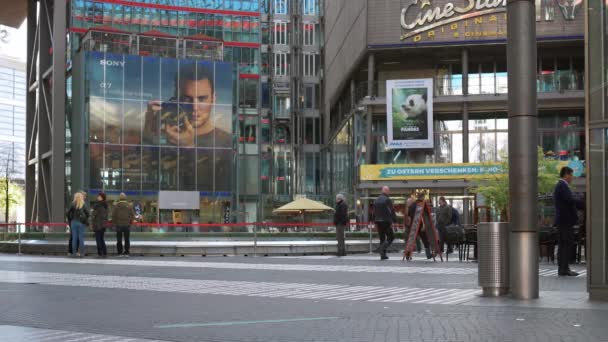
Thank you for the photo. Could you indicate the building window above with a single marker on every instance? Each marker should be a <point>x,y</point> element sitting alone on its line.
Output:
<point>448,141</point>
<point>310,67</point>
<point>309,30</point>
<point>280,7</point>
<point>280,64</point>
<point>488,139</point>
<point>312,134</point>
<point>311,96</point>
<point>282,106</point>
<point>248,89</point>
<point>310,7</point>
<point>280,33</point>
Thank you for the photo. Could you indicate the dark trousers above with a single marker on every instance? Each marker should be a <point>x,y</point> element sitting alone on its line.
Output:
<point>340,228</point>
<point>443,232</point>
<point>120,232</point>
<point>70,250</point>
<point>101,243</point>
<point>386,234</point>
<point>564,253</point>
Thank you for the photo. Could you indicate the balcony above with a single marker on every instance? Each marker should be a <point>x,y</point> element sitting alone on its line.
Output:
<point>496,84</point>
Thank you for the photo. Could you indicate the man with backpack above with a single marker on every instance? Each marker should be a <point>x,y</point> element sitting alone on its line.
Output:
<point>122,217</point>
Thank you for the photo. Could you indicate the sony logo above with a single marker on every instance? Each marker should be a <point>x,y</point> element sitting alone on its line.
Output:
<point>107,62</point>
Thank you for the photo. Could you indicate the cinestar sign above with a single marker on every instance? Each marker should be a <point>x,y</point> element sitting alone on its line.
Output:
<point>420,15</point>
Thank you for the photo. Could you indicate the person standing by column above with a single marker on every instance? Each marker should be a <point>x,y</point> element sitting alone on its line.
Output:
<point>341,220</point>
<point>99,216</point>
<point>384,217</point>
<point>122,217</point>
<point>444,217</point>
<point>565,219</point>
<point>78,218</point>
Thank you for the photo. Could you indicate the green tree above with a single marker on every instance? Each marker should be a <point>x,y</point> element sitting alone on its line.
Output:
<point>495,188</point>
<point>11,193</point>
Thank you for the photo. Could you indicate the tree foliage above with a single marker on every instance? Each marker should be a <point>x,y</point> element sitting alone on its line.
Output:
<point>495,189</point>
<point>11,194</point>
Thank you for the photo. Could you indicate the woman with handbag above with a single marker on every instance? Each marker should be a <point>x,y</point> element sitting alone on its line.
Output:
<point>99,217</point>
<point>78,218</point>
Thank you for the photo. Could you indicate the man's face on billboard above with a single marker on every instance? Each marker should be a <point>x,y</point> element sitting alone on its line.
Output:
<point>200,94</point>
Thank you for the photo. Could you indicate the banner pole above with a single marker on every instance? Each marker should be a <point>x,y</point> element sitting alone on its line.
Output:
<point>370,226</point>
<point>19,238</point>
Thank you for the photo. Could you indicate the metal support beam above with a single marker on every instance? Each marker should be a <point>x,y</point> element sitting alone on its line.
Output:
<point>523,163</point>
<point>465,106</point>
<point>30,110</point>
<point>43,123</point>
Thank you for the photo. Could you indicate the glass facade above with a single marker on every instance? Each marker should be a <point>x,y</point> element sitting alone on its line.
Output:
<point>12,117</point>
<point>237,23</point>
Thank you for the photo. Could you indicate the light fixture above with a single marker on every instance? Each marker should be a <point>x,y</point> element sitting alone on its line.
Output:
<point>391,63</point>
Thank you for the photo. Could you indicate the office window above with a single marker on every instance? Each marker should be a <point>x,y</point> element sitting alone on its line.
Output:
<point>309,30</point>
<point>282,106</point>
<point>280,64</point>
<point>310,7</point>
<point>310,65</point>
<point>248,93</point>
<point>280,7</point>
<point>280,33</point>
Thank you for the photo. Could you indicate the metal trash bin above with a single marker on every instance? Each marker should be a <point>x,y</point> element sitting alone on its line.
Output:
<point>493,258</point>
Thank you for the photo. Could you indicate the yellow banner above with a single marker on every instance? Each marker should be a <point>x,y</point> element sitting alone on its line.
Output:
<point>429,171</point>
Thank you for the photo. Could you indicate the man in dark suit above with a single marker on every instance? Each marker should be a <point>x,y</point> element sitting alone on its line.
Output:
<point>341,221</point>
<point>565,218</point>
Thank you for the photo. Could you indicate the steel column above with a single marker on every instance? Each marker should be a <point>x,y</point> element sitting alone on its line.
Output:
<point>523,169</point>
<point>44,112</point>
<point>465,106</point>
<point>57,185</point>
<point>30,140</point>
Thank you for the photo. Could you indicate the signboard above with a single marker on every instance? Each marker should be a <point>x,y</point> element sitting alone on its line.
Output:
<point>426,21</point>
<point>173,116</point>
<point>179,200</point>
<point>409,110</point>
<point>429,171</point>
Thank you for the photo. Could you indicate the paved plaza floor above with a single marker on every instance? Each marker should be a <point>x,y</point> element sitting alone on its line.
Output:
<point>306,298</point>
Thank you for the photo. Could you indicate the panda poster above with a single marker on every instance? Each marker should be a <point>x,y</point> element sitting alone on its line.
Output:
<point>409,110</point>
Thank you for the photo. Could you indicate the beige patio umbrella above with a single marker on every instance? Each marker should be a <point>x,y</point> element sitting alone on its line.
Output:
<point>302,207</point>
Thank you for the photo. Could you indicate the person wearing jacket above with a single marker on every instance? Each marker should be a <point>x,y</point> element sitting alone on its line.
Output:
<point>99,216</point>
<point>444,218</point>
<point>340,221</point>
<point>385,215</point>
<point>565,219</point>
<point>122,217</point>
<point>78,219</point>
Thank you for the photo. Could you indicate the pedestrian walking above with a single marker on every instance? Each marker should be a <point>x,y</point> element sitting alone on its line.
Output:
<point>340,221</point>
<point>385,215</point>
<point>444,218</point>
<point>565,218</point>
<point>99,216</point>
<point>78,219</point>
<point>122,217</point>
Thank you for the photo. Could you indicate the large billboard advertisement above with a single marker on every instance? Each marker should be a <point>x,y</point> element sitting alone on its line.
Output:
<point>409,110</point>
<point>159,123</point>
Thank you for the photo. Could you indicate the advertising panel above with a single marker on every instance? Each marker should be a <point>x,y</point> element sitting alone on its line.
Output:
<point>159,123</point>
<point>430,171</point>
<point>409,110</point>
<point>426,22</point>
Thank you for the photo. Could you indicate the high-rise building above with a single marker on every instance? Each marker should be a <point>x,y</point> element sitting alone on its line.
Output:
<point>237,152</point>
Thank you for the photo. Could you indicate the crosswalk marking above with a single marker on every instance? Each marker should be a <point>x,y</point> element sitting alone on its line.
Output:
<point>406,268</point>
<point>243,288</point>
<point>26,334</point>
